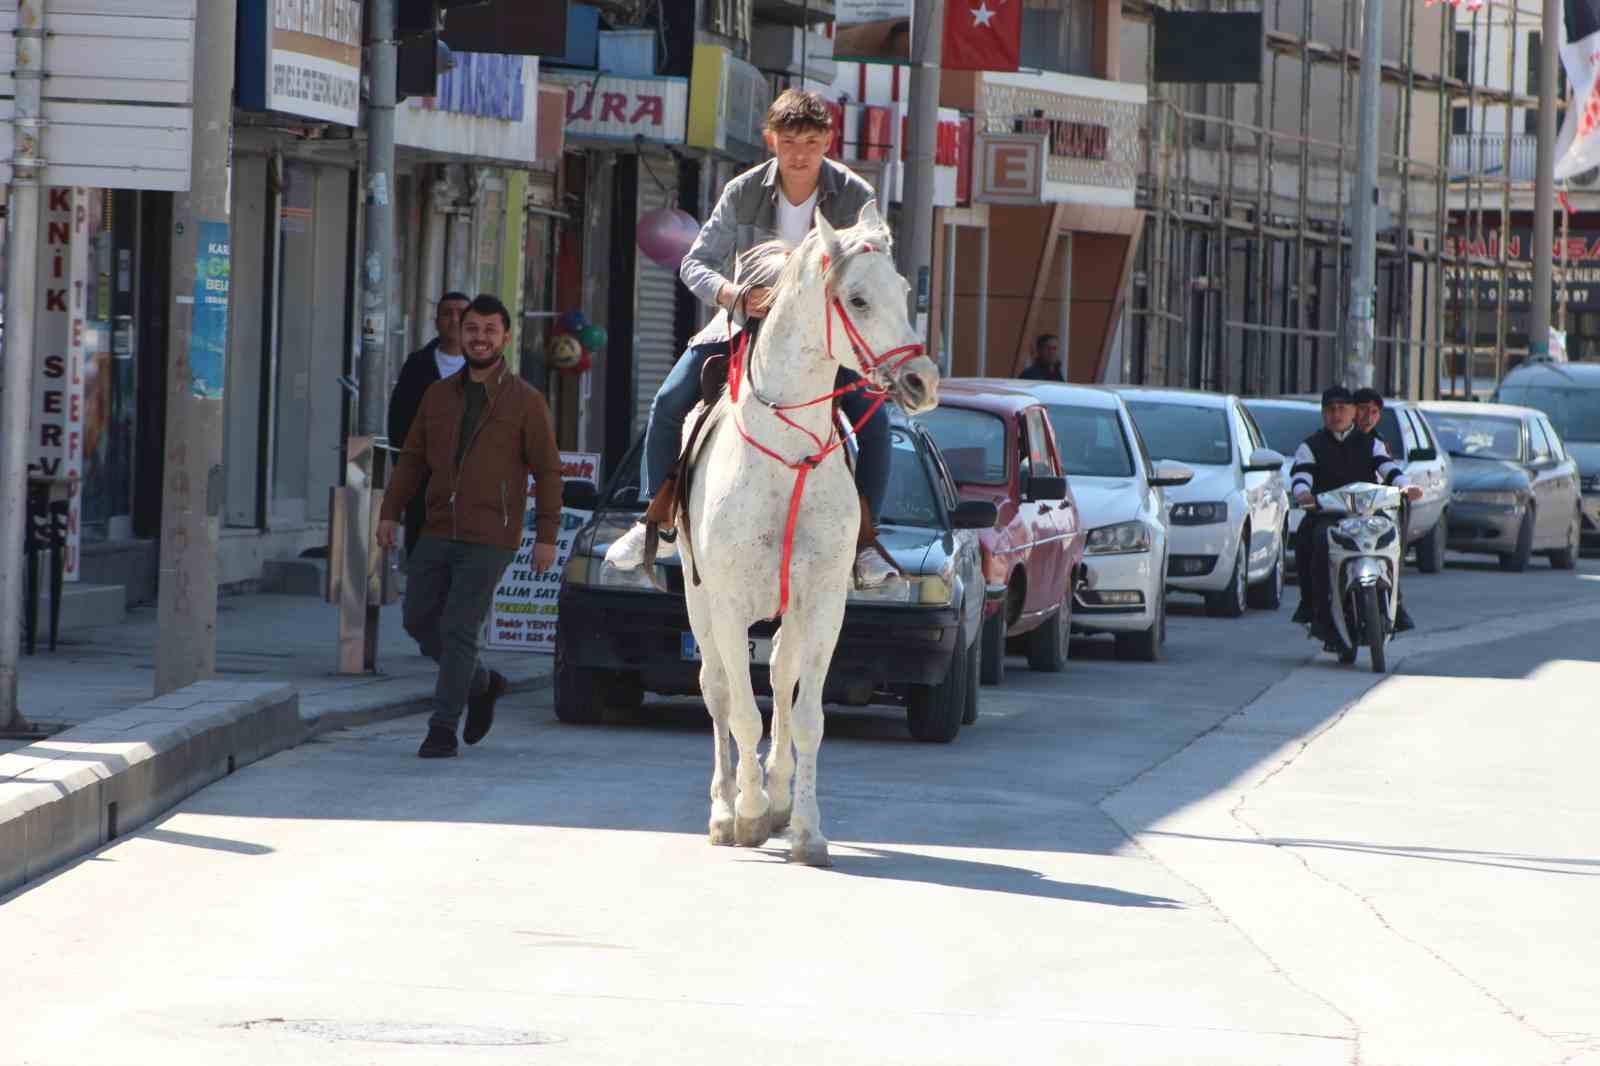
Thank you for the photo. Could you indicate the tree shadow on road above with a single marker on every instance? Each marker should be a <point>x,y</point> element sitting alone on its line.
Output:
<point>1505,860</point>
<point>856,860</point>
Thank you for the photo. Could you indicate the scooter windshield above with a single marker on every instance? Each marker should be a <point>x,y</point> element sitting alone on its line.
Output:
<point>1360,498</point>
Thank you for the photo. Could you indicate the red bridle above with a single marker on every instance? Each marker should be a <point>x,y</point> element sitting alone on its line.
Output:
<point>870,363</point>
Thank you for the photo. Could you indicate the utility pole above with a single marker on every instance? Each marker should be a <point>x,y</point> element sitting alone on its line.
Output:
<point>1364,265</point>
<point>186,647</point>
<point>16,386</point>
<point>916,243</point>
<point>379,253</point>
<point>1544,192</point>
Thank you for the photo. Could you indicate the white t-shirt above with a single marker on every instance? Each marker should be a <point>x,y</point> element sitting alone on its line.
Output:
<point>448,364</point>
<point>794,220</point>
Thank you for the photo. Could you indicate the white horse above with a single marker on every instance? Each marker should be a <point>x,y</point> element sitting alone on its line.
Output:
<point>739,508</point>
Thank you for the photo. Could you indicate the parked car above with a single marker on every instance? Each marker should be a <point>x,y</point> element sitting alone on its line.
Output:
<point>1569,396</point>
<point>913,642</point>
<point>1000,448</point>
<point>1229,524</point>
<point>1119,492</point>
<point>1516,492</point>
<point>1288,421</point>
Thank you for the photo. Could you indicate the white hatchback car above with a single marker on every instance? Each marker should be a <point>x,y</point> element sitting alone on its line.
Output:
<point>1119,494</point>
<point>1228,523</point>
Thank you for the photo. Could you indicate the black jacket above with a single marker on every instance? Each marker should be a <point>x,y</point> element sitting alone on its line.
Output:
<point>419,371</point>
<point>1324,462</point>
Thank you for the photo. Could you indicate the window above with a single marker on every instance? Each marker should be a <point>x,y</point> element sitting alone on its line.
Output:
<point>1043,460</point>
<point>1461,56</point>
<point>1091,442</point>
<point>1185,433</point>
<point>973,444</point>
<point>1389,431</point>
<point>1287,427</point>
<point>1541,443</point>
<point>1058,35</point>
<point>1530,117</point>
<point>1479,436</point>
<point>1419,426</point>
<point>1460,120</point>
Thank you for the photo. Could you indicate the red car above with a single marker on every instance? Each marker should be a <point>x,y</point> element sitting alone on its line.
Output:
<point>999,447</point>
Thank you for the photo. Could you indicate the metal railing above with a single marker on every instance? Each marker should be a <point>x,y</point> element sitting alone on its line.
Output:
<point>1485,154</point>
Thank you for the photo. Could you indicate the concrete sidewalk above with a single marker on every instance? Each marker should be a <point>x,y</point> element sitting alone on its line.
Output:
<point>261,637</point>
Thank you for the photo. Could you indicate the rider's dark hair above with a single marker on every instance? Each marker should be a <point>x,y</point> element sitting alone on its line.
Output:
<point>799,111</point>
<point>487,304</point>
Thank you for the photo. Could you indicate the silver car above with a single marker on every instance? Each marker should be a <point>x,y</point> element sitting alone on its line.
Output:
<point>1569,396</point>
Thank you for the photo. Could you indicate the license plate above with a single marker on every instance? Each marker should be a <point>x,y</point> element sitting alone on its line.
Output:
<point>760,649</point>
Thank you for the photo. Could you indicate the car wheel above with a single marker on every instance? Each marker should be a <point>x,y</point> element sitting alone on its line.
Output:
<point>1567,558</point>
<point>1430,551</point>
<point>579,692</point>
<point>1230,602</point>
<point>969,714</point>
<point>1048,645</point>
<point>1145,646</point>
<point>1268,596</point>
<point>993,656</point>
<point>934,712</point>
<point>1517,561</point>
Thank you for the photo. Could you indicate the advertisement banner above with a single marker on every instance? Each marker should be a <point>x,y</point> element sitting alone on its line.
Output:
<point>208,331</point>
<point>523,614</point>
<point>56,448</point>
<point>301,57</point>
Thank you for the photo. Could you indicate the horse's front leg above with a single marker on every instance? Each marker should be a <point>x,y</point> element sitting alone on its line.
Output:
<point>752,821</point>
<point>806,842</point>
<point>714,688</point>
<point>784,669</point>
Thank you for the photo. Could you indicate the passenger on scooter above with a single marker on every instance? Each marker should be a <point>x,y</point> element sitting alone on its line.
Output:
<point>1369,410</point>
<point>1335,456</point>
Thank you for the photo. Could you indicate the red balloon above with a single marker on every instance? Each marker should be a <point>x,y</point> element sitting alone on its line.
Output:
<point>666,234</point>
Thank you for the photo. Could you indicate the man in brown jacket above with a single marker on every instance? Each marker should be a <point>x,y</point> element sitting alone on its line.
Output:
<point>475,439</point>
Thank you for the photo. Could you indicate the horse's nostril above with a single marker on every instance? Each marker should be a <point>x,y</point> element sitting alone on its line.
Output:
<point>915,387</point>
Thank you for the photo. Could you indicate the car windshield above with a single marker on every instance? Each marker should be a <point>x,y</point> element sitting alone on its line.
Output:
<point>1090,442</point>
<point>1285,428</point>
<point>1574,412</point>
<point>1184,433</point>
<point>910,500</point>
<point>973,443</point>
<point>1478,436</point>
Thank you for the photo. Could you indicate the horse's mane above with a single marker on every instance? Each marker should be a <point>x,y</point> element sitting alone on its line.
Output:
<point>774,265</point>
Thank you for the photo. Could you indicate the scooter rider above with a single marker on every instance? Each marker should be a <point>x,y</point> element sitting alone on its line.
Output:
<point>1369,409</point>
<point>1335,456</point>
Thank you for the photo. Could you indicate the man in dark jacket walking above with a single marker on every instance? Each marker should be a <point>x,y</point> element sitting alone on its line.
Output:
<point>434,361</point>
<point>476,438</point>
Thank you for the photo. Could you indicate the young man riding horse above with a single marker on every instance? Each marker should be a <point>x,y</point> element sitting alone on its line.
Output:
<point>774,199</point>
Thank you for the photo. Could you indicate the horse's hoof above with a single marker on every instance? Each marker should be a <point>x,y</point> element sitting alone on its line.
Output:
<point>722,832</point>
<point>810,850</point>
<point>752,832</point>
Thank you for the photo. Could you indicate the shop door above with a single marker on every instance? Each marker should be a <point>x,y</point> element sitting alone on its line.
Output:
<point>656,289</point>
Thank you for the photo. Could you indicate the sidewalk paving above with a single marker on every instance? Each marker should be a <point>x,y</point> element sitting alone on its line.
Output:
<point>261,637</point>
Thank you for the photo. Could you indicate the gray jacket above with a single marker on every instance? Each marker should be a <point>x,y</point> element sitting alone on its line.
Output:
<point>747,214</point>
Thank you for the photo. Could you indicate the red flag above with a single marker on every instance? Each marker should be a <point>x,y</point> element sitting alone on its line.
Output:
<point>982,34</point>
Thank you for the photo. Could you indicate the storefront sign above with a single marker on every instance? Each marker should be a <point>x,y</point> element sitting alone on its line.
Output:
<point>301,57</point>
<point>56,446</point>
<point>208,330</point>
<point>489,86</point>
<point>1088,129</point>
<point>728,101</point>
<point>612,108</point>
<point>1577,286</point>
<point>1009,168</point>
<point>849,12</point>
<point>522,616</point>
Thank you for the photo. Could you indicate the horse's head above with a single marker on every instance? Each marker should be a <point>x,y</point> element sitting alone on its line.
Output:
<point>873,336</point>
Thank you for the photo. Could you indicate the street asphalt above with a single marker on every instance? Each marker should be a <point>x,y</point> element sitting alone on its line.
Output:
<point>1244,854</point>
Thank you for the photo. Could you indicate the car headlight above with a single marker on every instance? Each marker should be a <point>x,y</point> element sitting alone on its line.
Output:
<point>1199,514</point>
<point>1124,538</point>
<point>591,571</point>
<point>1498,498</point>
<point>925,590</point>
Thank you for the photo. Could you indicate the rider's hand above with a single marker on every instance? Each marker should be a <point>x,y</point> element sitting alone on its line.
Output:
<point>755,304</point>
<point>1304,498</point>
<point>544,556</point>
<point>1413,493</point>
<point>388,534</point>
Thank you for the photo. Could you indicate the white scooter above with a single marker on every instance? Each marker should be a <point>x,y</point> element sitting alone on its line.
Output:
<point>1363,566</point>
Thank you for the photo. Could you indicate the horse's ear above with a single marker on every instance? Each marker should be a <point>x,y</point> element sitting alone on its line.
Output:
<point>869,216</point>
<point>830,236</point>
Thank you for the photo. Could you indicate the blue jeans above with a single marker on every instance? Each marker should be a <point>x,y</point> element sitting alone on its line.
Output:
<point>663,437</point>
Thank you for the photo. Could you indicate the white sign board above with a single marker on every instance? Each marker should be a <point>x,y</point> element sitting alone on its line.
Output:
<point>118,93</point>
<point>613,108</point>
<point>522,616</point>
<point>851,12</point>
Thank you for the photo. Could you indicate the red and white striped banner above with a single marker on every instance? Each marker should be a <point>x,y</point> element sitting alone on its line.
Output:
<point>1470,5</point>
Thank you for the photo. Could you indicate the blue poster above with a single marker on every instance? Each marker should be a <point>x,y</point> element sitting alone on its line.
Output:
<point>208,333</point>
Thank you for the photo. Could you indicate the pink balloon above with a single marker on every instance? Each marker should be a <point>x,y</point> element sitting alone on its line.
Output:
<point>665,235</point>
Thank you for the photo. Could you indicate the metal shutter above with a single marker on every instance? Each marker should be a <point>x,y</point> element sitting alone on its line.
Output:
<point>656,309</point>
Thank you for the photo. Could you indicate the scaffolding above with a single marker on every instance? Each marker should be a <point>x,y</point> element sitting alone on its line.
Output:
<point>1244,265</point>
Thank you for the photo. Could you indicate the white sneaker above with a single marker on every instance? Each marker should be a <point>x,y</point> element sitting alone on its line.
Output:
<point>628,551</point>
<point>872,571</point>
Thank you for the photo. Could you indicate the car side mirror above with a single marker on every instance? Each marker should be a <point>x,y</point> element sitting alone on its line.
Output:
<point>1046,487</point>
<point>1170,475</point>
<point>975,514</point>
<point>1264,460</point>
<point>580,495</point>
<point>1422,455</point>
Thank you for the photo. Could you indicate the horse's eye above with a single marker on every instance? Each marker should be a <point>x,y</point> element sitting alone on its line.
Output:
<point>858,303</point>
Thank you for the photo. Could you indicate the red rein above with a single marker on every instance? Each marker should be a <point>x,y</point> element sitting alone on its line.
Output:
<point>869,362</point>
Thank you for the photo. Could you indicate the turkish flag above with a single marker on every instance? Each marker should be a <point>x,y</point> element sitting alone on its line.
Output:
<point>982,34</point>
